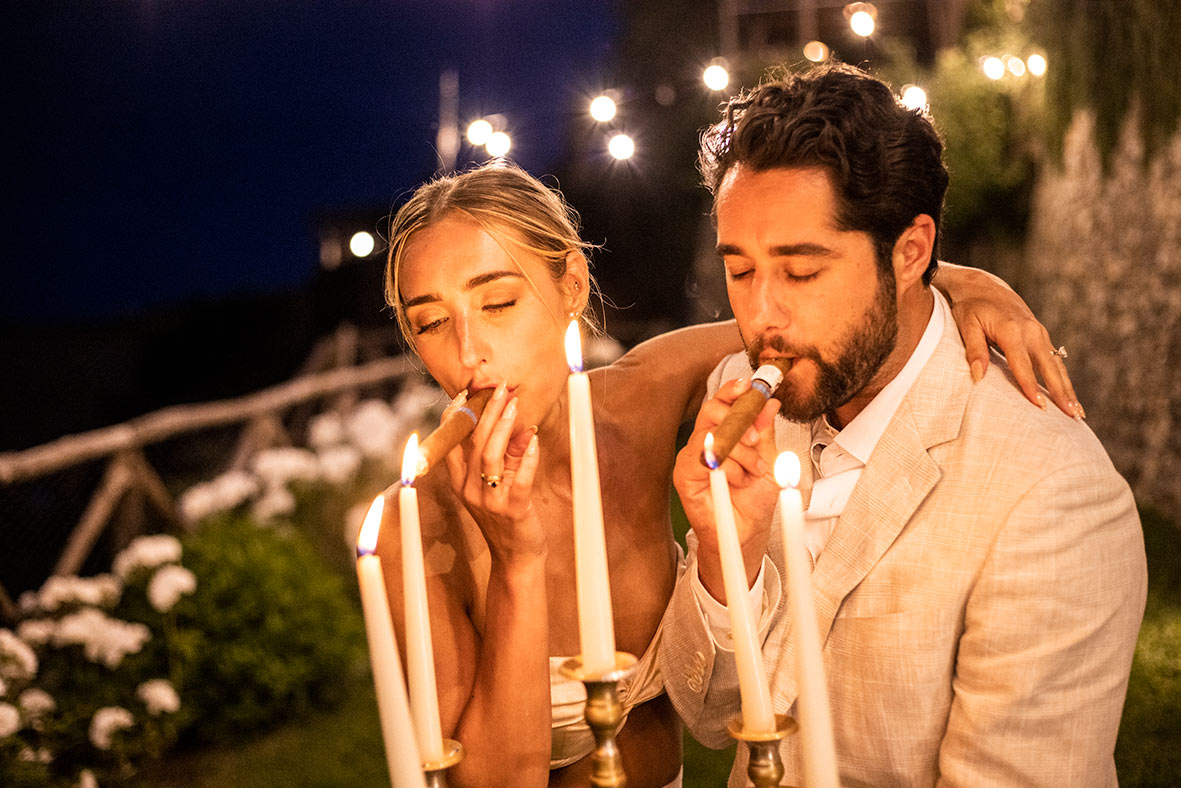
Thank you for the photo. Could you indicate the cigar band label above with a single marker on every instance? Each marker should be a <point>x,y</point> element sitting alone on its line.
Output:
<point>471,414</point>
<point>767,378</point>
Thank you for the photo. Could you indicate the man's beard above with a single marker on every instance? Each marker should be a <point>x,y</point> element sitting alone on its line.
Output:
<point>861,353</point>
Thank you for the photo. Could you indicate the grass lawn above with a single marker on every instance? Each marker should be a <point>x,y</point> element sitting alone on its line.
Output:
<point>342,746</point>
<point>326,749</point>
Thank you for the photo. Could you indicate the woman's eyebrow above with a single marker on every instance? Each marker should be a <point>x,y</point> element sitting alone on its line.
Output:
<point>472,284</point>
<point>491,276</point>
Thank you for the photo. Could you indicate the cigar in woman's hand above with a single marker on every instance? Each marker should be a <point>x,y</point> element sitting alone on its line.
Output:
<point>457,426</point>
<point>746,409</point>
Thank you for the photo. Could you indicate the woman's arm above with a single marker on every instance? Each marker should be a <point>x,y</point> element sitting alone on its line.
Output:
<point>986,310</point>
<point>676,364</point>
<point>493,687</point>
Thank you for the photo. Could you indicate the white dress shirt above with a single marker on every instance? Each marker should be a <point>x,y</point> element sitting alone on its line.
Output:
<point>838,458</point>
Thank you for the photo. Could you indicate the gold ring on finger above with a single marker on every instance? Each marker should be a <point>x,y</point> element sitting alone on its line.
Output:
<point>1060,352</point>
<point>490,479</point>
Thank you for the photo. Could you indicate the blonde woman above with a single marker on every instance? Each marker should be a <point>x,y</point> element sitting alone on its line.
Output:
<point>486,269</point>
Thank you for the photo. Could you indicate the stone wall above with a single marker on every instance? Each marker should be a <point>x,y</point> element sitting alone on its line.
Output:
<point>1103,271</point>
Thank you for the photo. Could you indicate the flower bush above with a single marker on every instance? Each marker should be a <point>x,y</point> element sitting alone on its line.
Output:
<point>250,619</point>
<point>81,694</point>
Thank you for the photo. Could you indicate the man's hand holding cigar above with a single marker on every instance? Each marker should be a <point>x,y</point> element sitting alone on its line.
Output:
<point>748,469</point>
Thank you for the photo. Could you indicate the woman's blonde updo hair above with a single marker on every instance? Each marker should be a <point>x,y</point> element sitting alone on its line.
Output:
<point>497,196</point>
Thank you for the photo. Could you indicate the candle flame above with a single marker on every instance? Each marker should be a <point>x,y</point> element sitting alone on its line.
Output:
<point>787,470</point>
<point>711,459</point>
<point>367,538</point>
<point>411,460</point>
<point>574,347</point>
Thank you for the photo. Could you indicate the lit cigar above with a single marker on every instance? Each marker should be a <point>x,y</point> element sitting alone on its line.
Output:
<point>746,408</point>
<point>452,431</point>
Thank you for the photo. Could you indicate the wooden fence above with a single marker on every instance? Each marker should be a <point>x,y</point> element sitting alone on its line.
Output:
<point>332,372</point>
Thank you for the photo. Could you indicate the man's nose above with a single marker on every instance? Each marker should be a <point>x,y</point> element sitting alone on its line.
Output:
<point>770,303</point>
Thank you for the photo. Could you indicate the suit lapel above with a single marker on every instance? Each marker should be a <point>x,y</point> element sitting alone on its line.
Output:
<point>899,476</point>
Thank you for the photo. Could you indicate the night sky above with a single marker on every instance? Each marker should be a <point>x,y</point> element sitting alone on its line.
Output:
<point>162,151</point>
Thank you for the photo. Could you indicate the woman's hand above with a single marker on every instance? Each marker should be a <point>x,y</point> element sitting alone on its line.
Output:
<point>988,311</point>
<point>492,472</point>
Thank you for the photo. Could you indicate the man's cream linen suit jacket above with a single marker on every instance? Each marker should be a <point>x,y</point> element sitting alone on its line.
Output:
<point>978,601</point>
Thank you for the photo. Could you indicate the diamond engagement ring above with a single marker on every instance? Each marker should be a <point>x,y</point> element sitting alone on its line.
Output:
<point>1060,352</point>
<point>491,480</point>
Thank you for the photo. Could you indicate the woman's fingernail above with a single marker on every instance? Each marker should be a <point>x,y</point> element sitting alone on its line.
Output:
<point>534,428</point>
<point>501,388</point>
<point>459,399</point>
<point>751,437</point>
<point>532,447</point>
<point>1041,400</point>
<point>1076,408</point>
<point>510,410</point>
<point>977,371</point>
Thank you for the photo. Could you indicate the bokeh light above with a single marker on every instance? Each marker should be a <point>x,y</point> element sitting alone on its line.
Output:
<point>478,132</point>
<point>1037,65</point>
<point>862,23</point>
<point>914,97</point>
<point>621,147</point>
<point>716,77</point>
<point>498,144</point>
<point>362,244</point>
<point>816,51</point>
<point>1015,65</point>
<point>602,109</point>
<point>993,67</point>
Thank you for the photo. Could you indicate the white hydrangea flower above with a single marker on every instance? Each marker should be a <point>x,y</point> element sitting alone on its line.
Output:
<point>36,702</point>
<point>374,429</point>
<point>17,659</point>
<point>223,492</point>
<point>277,467</point>
<point>339,464</point>
<point>159,696</point>
<point>86,779</point>
<point>101,591</point>
<point>43,755</point>
<point>326,429</point>
<point>147,552</point>
<point>103,639</point>
<point>10,720</point>
<point>168,585</point>
<point>26,603</point>
<point>106,722</point>
<point>277,502</point>
<point>419,399</point>
<point>197,502</point>
<point>36,631</point>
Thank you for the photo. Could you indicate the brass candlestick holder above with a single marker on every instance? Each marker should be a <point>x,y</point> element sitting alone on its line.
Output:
<point>765,767</point>
<point>603,714</point>
<point>435,772</point>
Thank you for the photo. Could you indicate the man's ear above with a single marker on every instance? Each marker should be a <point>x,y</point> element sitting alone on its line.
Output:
<point>576,282</point>
<point>912,251</point>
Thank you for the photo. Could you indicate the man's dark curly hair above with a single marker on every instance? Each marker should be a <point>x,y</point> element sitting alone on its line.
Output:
<point>885,160</point>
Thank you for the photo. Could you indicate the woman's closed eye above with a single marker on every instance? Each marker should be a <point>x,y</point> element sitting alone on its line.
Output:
<point>430,326</point>
<point>500,305</point>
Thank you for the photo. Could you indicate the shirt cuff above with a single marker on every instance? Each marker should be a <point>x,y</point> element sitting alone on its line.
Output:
<point>717,616</point>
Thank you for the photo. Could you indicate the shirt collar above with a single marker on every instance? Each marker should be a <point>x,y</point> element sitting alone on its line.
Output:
<point>861,435</point>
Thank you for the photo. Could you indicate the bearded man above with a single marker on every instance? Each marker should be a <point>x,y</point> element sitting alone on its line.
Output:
<point>978,563</point>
